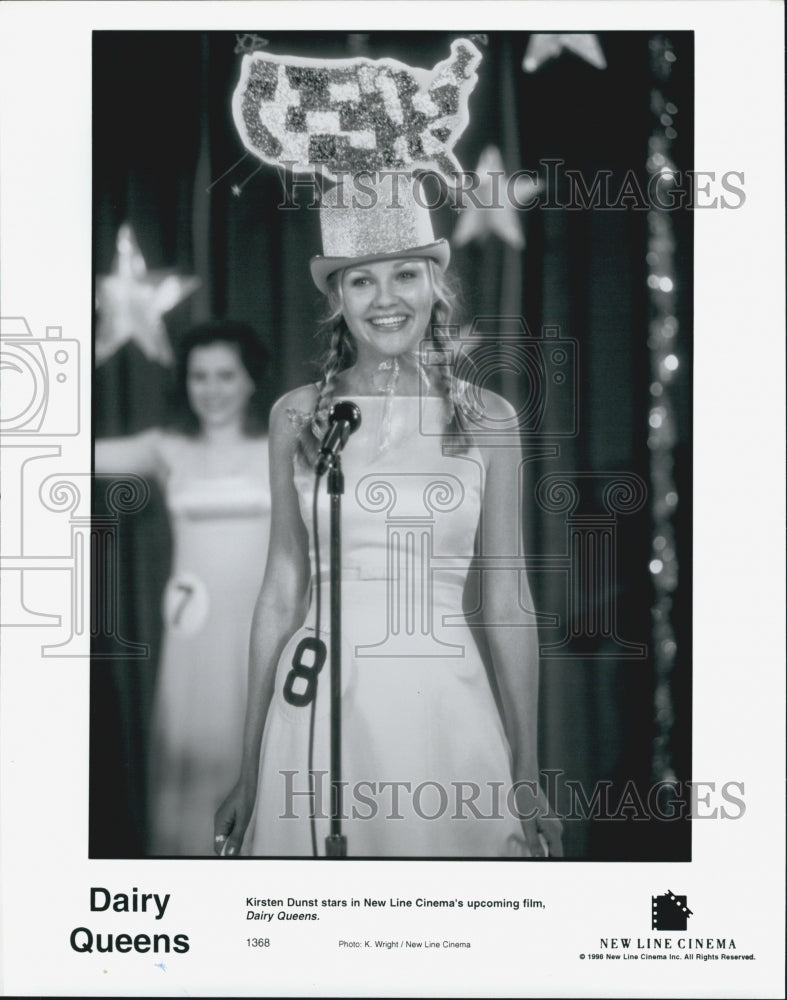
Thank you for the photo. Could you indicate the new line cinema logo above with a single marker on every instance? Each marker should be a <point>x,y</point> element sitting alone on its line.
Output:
<point>668,912</point>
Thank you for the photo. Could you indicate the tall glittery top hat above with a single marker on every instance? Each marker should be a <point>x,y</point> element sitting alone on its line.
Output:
<point>373,217</point>
<point>343,118</point>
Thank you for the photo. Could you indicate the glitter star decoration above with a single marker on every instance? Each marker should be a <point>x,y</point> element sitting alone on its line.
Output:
<point>493,207</point>
<point>132,300</point>
<point>248,41</point>
<point>543,47</point>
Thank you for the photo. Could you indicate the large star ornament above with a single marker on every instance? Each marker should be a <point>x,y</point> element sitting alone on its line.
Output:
<point>499,199</point>
<point>131,302</point>
<point>542,47</point>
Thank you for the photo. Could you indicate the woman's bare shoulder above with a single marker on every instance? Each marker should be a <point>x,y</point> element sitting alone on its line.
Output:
<point>497,425</point>
<point>489,405</point>
<point>303,398</point>
<point>292,411</point>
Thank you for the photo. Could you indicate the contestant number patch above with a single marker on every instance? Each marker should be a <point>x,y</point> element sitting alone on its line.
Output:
<point>185,605</point>
<point>300,685</point>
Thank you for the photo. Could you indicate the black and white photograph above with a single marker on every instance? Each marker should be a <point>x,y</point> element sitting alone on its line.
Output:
<point>387,481</point>
<point>506,351</point>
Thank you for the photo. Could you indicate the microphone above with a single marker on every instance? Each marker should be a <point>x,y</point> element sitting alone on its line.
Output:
<point>344,418</point>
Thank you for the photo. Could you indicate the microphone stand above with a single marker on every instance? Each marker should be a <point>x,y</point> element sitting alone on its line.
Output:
<point>336,842</point>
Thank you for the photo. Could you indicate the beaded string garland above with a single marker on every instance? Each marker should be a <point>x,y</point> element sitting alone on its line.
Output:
<point>663,341</point>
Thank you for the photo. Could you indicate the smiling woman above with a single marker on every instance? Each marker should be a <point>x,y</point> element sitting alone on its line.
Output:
<point>387,305</point>
<point>421,487</point>
<point>213,467</point>
<point>218,385</point>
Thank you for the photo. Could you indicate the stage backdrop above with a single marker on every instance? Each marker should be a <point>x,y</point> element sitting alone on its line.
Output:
<point>578,266</point>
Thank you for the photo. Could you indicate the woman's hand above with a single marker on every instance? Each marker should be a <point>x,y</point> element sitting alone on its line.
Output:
<point>541,826</point>
<point>232,818</point>
<point>511,632</point>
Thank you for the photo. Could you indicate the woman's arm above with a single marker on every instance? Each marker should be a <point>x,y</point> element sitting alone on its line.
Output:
<point>511,632</point>
<point>137,454</point>
<point>280,610</point>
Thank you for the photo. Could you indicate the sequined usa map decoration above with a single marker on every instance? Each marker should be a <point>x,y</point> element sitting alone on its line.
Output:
<point>358,114</point>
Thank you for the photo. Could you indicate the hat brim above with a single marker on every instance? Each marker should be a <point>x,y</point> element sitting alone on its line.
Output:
<point>323,267</point>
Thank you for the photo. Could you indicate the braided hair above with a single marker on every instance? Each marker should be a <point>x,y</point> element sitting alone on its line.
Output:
<point>341,355</point>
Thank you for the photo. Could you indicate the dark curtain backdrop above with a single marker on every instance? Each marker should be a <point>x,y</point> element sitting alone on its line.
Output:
<point>163,132</point>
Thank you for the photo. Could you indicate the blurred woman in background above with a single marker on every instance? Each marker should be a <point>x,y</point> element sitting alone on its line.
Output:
<point>212,465</point>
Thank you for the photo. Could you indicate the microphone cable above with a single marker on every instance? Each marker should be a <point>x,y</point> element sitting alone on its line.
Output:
<point>317,614</point>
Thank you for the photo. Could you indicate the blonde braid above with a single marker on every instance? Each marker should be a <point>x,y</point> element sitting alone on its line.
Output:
<point>457,434</point>
<point>338,357</point>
